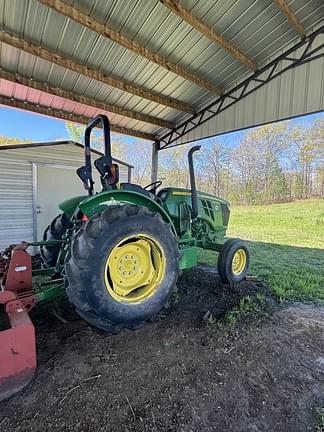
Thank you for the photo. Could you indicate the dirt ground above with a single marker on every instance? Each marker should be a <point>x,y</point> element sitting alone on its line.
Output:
<point>176,373</point>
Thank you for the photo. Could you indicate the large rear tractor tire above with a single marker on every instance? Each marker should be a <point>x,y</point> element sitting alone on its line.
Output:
<point>122,267</point>
<point>233,261</point>
<point>54,231</point>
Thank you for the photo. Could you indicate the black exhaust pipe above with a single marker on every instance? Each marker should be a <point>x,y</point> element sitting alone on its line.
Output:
<point>194,198</point>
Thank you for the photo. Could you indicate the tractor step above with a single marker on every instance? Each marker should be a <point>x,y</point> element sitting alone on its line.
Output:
<point>17,345</point>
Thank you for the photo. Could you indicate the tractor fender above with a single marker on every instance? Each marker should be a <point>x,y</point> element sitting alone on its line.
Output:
<point>68,206</point>
<point>97,203</point>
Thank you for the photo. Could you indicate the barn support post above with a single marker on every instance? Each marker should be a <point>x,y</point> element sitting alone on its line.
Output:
<point>155,161</point>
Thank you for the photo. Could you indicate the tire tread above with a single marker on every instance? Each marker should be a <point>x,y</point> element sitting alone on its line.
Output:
<point>81,248</point>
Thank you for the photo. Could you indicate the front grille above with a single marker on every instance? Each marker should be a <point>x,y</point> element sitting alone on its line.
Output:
<point>208,208</point>
<point>225,213</point>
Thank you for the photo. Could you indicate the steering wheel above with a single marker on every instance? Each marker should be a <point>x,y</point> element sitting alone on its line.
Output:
<point>153,186</point>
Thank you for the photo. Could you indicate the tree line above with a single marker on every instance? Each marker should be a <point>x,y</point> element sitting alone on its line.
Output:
<point>271,163</point>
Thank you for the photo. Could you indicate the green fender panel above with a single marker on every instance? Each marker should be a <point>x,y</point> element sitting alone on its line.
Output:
<point>68,206</point>
<point>102,200</point>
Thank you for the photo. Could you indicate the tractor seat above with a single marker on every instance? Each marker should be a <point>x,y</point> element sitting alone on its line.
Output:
<point>136,188</point>
<point>162,194</point>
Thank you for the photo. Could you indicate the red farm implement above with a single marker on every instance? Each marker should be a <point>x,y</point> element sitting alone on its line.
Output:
<point>17,333</point>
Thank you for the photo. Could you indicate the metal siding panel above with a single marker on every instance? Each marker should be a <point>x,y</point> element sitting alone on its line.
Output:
<point>315,94</point>
<point>270,104</point>
<point>123,174</point>
<point>229,118</point>
<point>16,222</point>
<point>16,200</point>
<point>286,93</point>
<point>247,111</point>
<point>286,96</point>
<point>299,84</point>
<point>238,116</point>
<point>260,102</point>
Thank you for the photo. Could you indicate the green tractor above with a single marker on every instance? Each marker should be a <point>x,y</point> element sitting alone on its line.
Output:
<point>121,250</point>
<point>117,254</point>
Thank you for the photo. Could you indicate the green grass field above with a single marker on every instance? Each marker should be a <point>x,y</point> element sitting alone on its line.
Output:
<point>287,246</point>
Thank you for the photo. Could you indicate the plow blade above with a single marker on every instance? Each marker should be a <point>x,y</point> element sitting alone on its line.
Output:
<point>17,346</point>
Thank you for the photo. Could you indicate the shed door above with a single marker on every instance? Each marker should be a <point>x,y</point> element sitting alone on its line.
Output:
<point>54,185</point>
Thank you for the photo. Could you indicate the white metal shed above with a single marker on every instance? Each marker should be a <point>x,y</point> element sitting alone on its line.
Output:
<point>34,178</point>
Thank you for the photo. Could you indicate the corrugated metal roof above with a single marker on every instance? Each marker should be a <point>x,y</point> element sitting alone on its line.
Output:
<point>295,92</point>
<point>255,27</point>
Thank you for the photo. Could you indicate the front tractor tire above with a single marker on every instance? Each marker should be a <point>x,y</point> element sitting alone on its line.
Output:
<point>233,261</point>
<point>54,231</point>
<point>122,267</point>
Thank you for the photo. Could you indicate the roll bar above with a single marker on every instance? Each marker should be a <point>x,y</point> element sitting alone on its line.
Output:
<point>103,164</point>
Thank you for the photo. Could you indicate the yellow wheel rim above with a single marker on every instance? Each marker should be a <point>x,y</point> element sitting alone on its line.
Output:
<point>239,262</point>
<point>134,268</point>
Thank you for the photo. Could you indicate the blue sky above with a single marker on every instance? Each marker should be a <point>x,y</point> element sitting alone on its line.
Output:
<point>24,125</point>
